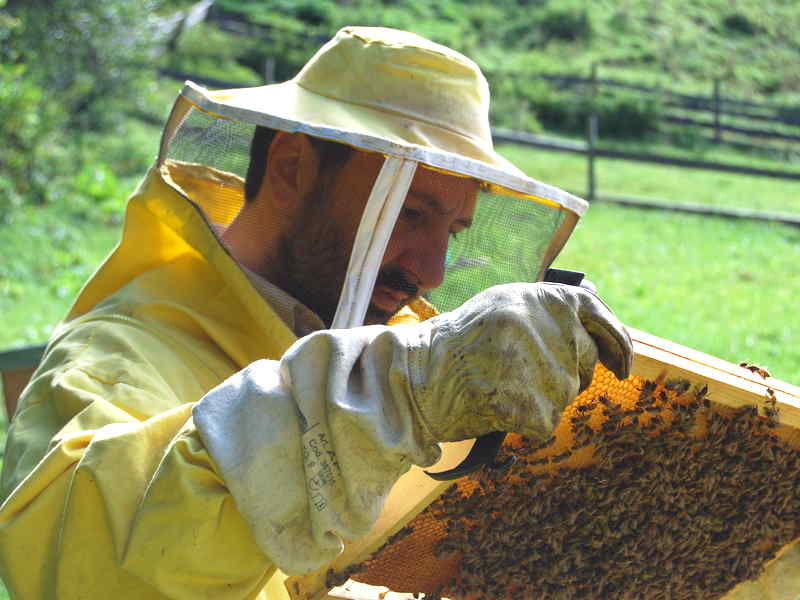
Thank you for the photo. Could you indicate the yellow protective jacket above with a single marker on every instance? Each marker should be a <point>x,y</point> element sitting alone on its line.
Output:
<point>108,491</point>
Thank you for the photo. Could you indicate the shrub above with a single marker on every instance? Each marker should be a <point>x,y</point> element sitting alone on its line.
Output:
<point>565,22</point>
<point>620,114</point>
<point>741,24</point>
<point>205,50</point>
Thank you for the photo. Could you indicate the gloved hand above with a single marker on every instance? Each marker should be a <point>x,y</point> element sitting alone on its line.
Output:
<point>344,413</point>
<point>510,359</point>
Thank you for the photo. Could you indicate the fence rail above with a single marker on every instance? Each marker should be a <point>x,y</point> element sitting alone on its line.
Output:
<point>592,151</point>
<point>765,133</point>
<point>20,358</point>
<point>518,137</point>
<point>723,105</point>
<point>16,368</point>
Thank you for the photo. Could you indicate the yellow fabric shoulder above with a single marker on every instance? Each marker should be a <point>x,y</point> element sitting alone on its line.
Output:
<point>167,317</point>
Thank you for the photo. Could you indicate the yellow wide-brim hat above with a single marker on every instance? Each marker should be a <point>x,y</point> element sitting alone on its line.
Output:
<point>393,92</point>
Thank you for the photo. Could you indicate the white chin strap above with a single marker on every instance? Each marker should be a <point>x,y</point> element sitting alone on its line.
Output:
<point>377,223</point>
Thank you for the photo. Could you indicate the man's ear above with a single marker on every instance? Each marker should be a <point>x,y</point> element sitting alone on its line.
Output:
<point>292,171</point>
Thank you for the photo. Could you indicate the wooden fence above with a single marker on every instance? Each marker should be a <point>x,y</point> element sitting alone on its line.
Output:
<point>716,105</point>
<point>592,151</point>
<point>715,102</point>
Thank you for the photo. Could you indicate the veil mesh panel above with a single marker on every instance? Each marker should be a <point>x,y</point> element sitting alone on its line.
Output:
<point>222,144</point>
<point>505,244</point>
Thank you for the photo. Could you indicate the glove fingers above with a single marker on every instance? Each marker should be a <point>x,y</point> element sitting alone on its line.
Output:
<point>614,345</point>
<point>587,359</point>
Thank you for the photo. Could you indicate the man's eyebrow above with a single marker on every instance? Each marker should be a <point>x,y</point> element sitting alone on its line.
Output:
<point>433,203</point>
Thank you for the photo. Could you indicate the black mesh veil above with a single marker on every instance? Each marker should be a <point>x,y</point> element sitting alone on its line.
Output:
<point>506,243</point>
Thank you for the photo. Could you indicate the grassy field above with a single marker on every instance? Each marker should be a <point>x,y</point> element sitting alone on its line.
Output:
<point>725,287</point>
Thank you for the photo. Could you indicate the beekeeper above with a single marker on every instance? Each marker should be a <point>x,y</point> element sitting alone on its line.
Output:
<point>213,414</point>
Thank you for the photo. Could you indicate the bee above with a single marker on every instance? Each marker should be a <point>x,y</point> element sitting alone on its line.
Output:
<point>648,389</point>
<point>761,371</point>
<point>587,407</point>
<point>771,407</point>
<point>679,386</point>
<point>562,456</point>
<point>580,419</point>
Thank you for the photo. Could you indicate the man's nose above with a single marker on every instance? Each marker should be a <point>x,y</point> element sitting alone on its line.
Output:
<point>424,261</point>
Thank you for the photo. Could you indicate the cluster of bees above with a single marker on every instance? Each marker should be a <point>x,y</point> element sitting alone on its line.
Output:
<point>662,495</point>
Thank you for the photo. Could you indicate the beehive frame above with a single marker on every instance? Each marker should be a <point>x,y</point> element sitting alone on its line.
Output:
<point>728,383</point>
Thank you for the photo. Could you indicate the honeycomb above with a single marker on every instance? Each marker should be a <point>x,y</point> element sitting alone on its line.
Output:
<point>647,489</point>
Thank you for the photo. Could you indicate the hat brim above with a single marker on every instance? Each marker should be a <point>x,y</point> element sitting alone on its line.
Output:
<point>290,107</point>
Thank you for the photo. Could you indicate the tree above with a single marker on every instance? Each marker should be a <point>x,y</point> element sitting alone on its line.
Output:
<point>68,67</point>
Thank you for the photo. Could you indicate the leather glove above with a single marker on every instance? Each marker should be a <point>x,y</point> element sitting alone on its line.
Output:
<point>511,359</point>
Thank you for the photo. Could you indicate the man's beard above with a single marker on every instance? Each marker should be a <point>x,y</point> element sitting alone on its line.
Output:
<point>314,257</point>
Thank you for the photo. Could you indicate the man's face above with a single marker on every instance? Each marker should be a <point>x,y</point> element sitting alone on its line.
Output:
<point>317,249</point>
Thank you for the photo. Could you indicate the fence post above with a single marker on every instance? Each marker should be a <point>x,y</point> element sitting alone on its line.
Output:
<point>717,102</point>
<point>591,139</point>
<point>269,70</point>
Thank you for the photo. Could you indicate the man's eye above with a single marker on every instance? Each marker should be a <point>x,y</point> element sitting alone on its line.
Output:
<point>411,213</point>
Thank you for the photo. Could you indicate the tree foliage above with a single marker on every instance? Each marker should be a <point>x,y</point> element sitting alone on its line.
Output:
<point>68,68</point>
<point>91,56</point>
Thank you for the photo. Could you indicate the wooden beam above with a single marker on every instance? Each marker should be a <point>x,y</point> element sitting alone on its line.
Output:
<point>14,381</point>
<point>729,384</point>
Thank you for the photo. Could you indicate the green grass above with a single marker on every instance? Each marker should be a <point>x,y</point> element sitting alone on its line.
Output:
<point>728,288</point>
<point>50,258</point>
<point>672,185</point>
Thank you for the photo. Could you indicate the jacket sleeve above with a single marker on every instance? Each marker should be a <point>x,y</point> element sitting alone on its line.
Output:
<point>117,486</point>
<point>108,490</point>
<point>311,445</point>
